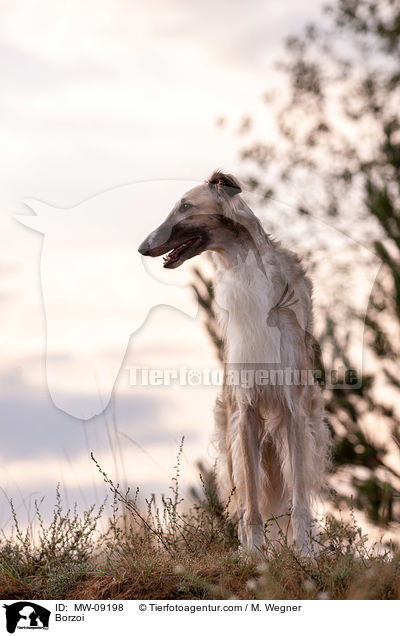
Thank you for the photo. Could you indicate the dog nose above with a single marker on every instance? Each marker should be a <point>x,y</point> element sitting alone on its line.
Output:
<point>144,247</point>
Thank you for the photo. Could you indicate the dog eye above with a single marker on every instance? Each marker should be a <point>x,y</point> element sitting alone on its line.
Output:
<point>185,206</point>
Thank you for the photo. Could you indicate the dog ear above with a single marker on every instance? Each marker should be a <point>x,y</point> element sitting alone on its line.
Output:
<point>225,182</point>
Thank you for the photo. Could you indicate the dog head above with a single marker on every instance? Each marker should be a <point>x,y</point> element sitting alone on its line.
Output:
<point>203,219</point>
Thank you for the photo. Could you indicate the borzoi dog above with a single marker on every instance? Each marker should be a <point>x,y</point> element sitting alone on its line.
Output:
<point>273,442</point>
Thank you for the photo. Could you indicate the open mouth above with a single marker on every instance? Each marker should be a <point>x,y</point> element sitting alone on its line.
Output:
<point>174,257</point>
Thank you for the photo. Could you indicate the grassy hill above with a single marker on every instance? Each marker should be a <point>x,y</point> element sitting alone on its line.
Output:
<point>168,551</point>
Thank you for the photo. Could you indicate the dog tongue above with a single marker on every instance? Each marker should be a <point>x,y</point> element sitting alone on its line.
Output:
<point>168,258</point>
<point>171,256</point>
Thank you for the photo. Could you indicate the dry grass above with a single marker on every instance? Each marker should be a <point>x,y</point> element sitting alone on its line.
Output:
<point>168,552</point>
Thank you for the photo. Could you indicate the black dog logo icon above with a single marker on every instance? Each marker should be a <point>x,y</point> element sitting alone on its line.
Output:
<point>26,614</point>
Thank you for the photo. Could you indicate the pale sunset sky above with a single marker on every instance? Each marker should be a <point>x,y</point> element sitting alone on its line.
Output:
<point>97,95</point>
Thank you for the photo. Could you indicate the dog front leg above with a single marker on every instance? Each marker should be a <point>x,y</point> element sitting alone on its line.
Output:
<point>250,450</point>
<point>301,515</point>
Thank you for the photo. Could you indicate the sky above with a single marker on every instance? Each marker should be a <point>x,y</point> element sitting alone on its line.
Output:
<point>97,96</point>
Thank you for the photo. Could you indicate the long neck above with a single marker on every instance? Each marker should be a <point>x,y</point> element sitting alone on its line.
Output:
<point>250,245</point>
<point>245,292</point>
